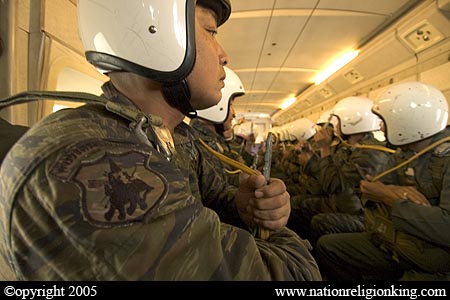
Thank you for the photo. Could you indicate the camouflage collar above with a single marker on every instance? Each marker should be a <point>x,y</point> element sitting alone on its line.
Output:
<point>124,107</point>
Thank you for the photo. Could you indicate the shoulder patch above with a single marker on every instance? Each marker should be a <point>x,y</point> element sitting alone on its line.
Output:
<point>442,150</point>
<point>118,188</point>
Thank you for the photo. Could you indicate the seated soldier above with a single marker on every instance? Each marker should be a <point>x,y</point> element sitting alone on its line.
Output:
<point>305,179</point>
<point>244,139</point>
<point>339,171</point>
<point>211,123</point>
<point>408,207</point>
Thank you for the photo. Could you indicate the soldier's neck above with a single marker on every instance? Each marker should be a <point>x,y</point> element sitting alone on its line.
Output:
<point>147,95</point>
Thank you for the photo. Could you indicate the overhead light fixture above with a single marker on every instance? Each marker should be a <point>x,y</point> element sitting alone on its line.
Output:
<point>336,65</point>
<point>289,101</point>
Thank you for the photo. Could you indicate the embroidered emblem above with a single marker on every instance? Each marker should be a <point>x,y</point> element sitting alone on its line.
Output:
<point>117,191</point>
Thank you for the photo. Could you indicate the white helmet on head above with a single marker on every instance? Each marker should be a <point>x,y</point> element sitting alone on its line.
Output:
<point>301,129</point>
<point>233,88</point>
<point>243,130</point>
<point>260,138</point>
<point>326,117</point>
<point>276,132</point>
<point>411,111</point>
<point>284,135</point>
<point>152,38</point>
<point>355,115</point>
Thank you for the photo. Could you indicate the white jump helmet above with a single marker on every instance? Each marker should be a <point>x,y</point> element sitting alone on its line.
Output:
<point>411,111</point>
<point>152,38</point>
<point>260,138</point>
<point>284,135</point>
<point>276,131</point>
<point>301,129</point>
<point>326,117</point>
<point>233,88</point>
<point>243,130</point>
<point>355,115</point>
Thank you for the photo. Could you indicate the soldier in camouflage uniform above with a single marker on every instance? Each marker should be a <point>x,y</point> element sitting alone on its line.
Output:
<point>407,210</point>
<point>114,191</point>
<point>305,180</point>
<point>278,149</point>
<point>291,167</point>
<point>212,122</point>
<point>339,172</point>
<point>302,131</point>
<point>309,158</point>
<point>244,141</point>
<point>310,177</point>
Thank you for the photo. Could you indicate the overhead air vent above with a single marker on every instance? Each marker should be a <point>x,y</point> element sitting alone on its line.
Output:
<point>422,36</point>
<point>326,92</point>
<point>353,76</point>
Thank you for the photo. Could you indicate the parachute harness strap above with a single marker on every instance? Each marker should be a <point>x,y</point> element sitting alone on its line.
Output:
<point>373,147</point>
<point>229,161</point>
<point>415,156</point>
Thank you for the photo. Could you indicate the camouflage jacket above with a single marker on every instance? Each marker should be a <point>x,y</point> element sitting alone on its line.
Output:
<point>277,156</point>
<point>417,233</point>
<point>213,139</point>
<point>291,167</point>
<point>309,176</point>
<point>219,144</point>
<point>84,197</point>
<point>340,177</point>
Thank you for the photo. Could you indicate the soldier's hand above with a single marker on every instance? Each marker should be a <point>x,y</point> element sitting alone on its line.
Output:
<point>387,194</point>
<point>266,205</point>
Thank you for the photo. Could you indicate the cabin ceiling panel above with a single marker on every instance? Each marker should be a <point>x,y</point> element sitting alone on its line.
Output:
<point>239,5</point>
<point>242,40</point>
<point>384,7</point>
<point>281,45</point>
<point>291,82</point>
<point>256,106</point>
<point>281,36</point>
<point>327,37</point>
<point>289,4</point>
<point>271,98</point>
<point>262,80</point>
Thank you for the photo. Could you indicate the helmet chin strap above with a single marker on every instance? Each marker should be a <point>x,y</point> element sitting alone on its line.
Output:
<point>219,128</point>
<point>178,95</point>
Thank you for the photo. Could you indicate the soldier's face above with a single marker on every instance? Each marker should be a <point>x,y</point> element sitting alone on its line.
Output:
<point>207,77</point>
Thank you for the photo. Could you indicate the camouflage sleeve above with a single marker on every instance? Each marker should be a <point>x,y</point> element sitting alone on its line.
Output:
<point>288,256</point>
<point>312,184</point>
<point>429,223</point>
<point>104,211</point>
<point>363,162</point>
<point>338,174</point>
<point>329,175</point>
